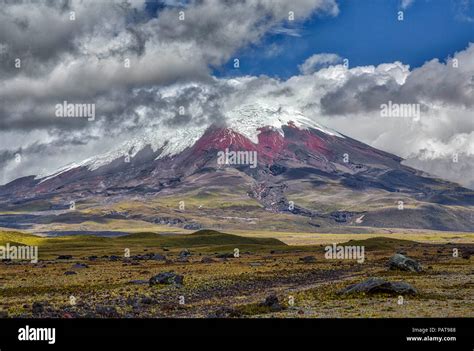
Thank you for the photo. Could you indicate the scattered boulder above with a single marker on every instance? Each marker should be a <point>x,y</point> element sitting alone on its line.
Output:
<point>166,278</point>
<point>149,256</point>
<point>92,258</point>
<point>273,303</point>
<point>114,258</point>
<point>404,263</point>
<point>308,259</point>
<point>69,273</point>
<point>379,285</point>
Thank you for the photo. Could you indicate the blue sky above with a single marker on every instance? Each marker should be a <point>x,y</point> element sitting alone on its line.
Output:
<point>367,33</point>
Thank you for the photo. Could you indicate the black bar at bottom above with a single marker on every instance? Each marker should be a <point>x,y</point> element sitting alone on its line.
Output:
<point>416,334</point>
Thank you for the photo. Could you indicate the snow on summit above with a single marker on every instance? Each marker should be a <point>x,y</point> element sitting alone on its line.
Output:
<point>245,120</point>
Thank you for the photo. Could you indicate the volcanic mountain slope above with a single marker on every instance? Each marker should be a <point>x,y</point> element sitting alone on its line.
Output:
<point>305,176</point>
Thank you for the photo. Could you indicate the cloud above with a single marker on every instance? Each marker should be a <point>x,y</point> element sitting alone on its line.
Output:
<point>84,61</point>
<point>434,83</point>
<point>90,51</point>
<point>406,3</point>
<point>292,32</point>
<point>318,61</point>
<point>464,10</point>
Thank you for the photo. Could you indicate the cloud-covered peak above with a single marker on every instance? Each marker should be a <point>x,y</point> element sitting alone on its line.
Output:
<point>151,70</point>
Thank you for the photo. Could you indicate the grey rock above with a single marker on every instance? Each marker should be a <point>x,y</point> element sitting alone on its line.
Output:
<point>167,278</point>
<point>379,285</point>
<point>404,263</point>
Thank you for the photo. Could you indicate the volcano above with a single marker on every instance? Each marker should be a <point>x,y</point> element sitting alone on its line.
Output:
<point>306,176</point>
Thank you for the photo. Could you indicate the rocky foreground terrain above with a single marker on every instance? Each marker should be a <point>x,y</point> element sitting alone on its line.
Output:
<point>211,274</point>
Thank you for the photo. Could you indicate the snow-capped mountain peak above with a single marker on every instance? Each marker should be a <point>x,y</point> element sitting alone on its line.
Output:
<point>246,120</point>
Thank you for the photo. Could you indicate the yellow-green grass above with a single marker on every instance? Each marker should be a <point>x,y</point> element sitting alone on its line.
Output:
<point>83,245</point>
<point>109,224</point>
<point>235,283</point>
<point>423,236</point>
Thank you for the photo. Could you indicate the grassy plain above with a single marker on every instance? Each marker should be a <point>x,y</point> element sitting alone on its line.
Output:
<point>233,286</point>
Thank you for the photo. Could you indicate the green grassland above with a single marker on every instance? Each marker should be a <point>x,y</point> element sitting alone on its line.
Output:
<point>265,266</point>
<point>203,240</point>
